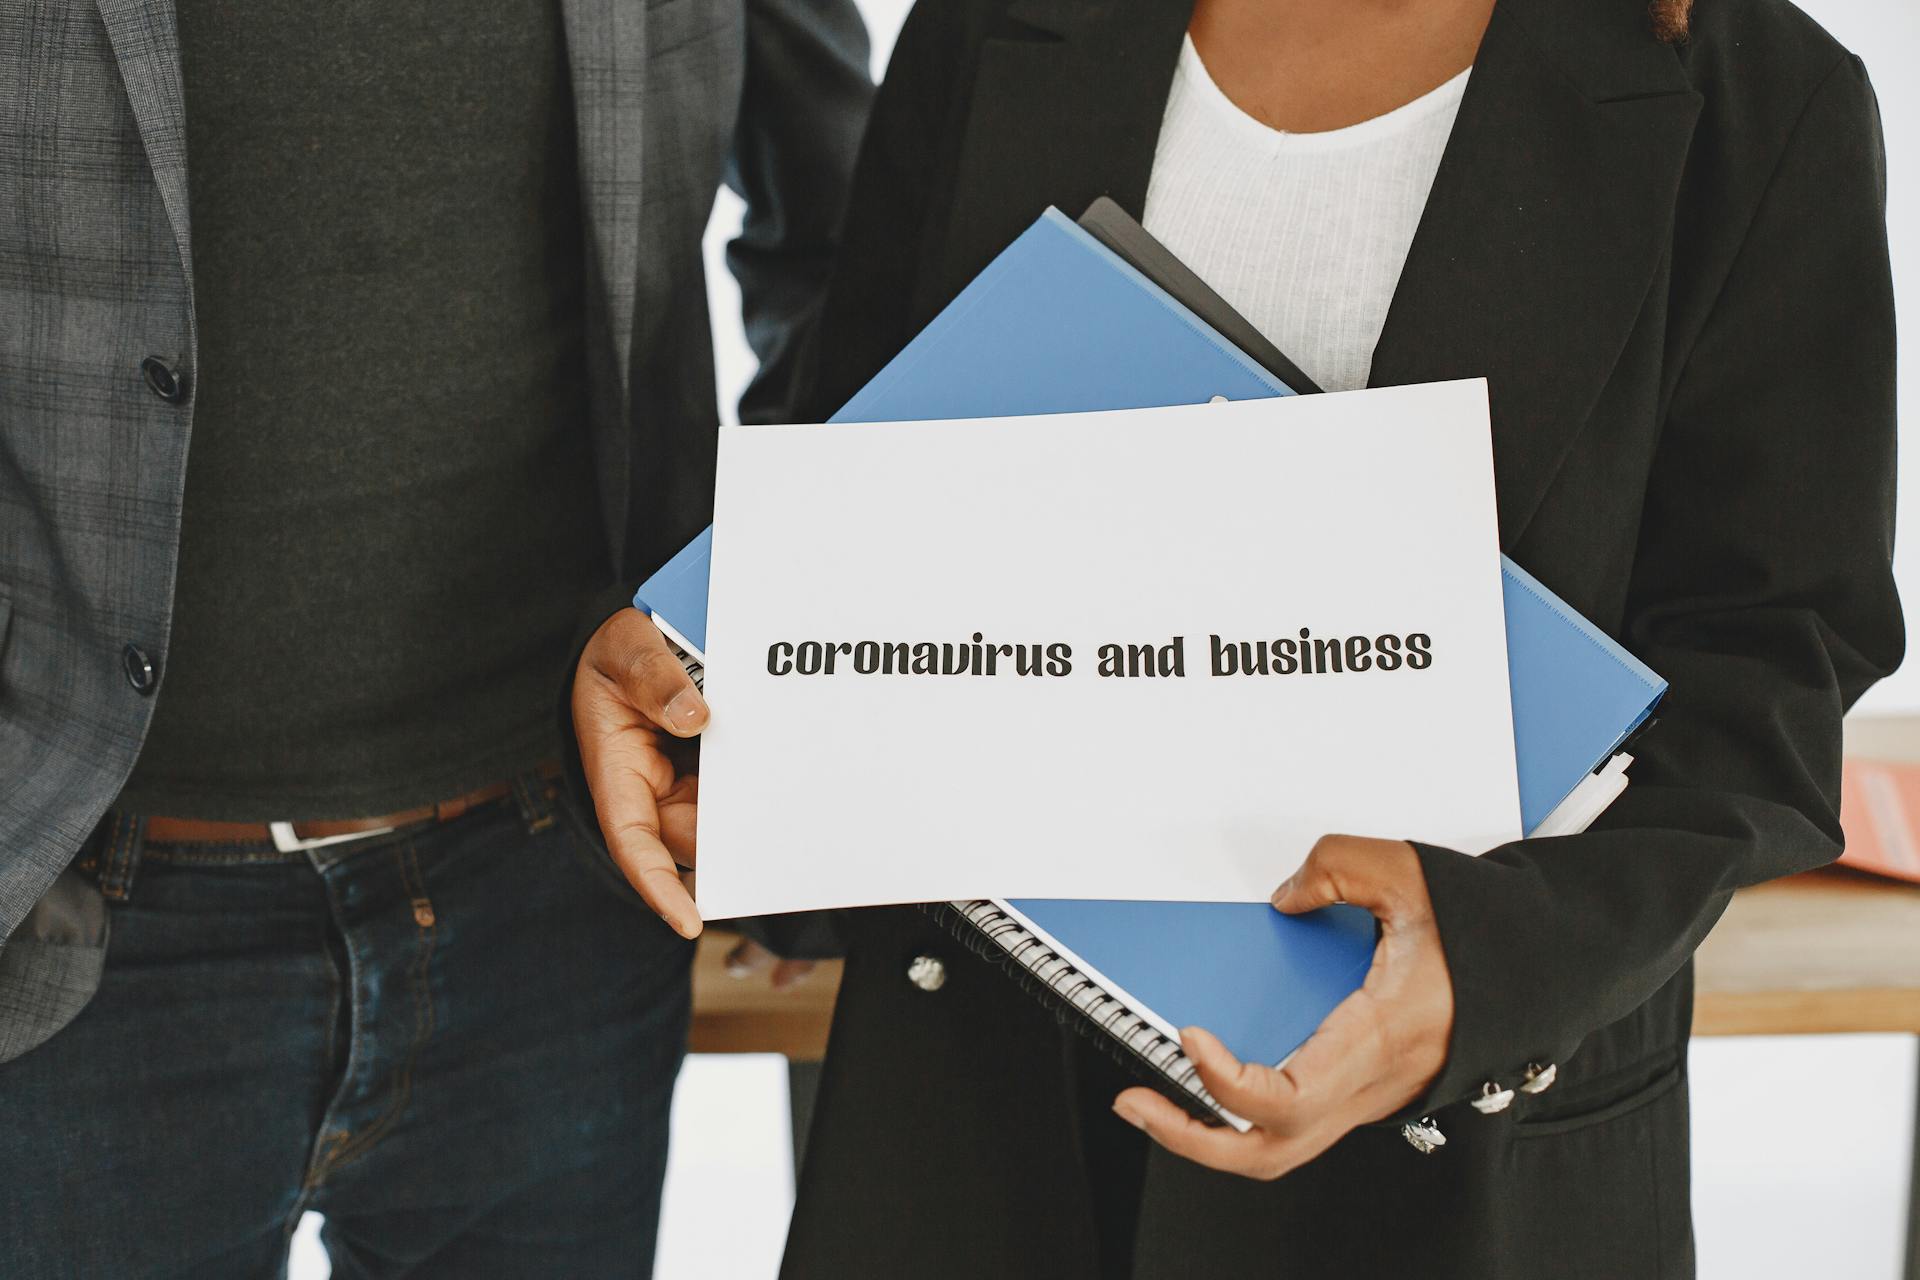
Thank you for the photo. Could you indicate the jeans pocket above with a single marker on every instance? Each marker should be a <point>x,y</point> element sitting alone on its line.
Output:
<point>44,986</point>
<point>588,852</point>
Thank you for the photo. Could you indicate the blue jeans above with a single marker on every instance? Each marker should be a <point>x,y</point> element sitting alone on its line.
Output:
<point>458,1042</point>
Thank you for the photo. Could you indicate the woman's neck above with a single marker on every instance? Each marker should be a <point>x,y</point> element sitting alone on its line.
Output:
<point>1307,66</point>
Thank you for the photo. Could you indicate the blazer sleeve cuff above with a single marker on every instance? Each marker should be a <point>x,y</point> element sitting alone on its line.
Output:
<point>1502,1021</point>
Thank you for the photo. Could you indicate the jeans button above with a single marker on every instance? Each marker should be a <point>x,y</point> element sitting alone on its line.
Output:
<point>163,381</point>
<point>141,673</point>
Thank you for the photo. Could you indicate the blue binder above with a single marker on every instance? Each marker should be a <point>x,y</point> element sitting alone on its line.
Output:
<point>1060,323</point>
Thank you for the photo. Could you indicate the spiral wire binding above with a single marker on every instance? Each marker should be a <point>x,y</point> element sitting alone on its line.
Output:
<point>692,665</point>
<point>1078,1001</point>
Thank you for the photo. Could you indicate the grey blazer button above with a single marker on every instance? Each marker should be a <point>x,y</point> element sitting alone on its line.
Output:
<point>140,669</point>
<point>929,973</point>
<point>1540,1079</point>
<point>162,380</point>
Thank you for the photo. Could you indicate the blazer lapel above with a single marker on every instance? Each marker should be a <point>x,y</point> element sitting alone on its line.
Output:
<point>146,44</point>
<point>1066,107</point>
<point>607,51</point>
<point>1546,227</point>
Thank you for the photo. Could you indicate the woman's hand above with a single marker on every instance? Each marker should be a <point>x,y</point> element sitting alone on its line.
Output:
<point>631,700</point>
<point>1375,1054</point>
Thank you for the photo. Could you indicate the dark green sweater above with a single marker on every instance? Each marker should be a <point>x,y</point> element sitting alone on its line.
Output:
<point>390,519</point>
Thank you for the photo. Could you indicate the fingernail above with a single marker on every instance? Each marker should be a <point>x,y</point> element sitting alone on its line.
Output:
<point>735,969</point>
<point>686,712</point>
<point>1286,887</point>
<point>1126,1112</point>
<point>687,927</point>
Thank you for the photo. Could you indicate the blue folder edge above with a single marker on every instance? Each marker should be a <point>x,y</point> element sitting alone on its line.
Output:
<point>1258,980</point>
<point>1054,252</point>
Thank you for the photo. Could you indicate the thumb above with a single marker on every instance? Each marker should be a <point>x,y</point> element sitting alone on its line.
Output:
<point>1351,869</point>
<point>637,666</point>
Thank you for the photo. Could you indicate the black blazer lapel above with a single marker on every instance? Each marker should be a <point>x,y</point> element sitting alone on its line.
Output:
<point>1548,222</point>
<point>1065,107</point>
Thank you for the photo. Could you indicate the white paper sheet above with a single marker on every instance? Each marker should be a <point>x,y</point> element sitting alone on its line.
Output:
<point>1355,516</point>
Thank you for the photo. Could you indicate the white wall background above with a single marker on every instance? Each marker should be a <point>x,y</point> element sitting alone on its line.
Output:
<point>1801,1146</point>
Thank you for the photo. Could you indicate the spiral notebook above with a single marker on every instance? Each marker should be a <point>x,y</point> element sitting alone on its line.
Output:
<point>1100,316</point>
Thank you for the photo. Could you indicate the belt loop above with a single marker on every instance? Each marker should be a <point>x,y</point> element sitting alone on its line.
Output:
<point>534,794</point>
<point>123,839</point>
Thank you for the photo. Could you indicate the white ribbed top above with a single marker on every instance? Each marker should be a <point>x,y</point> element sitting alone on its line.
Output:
<point>1304,233</point>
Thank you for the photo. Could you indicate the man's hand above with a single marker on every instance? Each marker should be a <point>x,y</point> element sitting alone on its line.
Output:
<point>1376,1052</point>
<point>631,699</point>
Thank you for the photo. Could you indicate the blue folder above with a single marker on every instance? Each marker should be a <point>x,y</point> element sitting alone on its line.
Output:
<point>1060,323</point>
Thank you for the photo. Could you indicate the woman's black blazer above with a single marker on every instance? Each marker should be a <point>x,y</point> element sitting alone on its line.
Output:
<point>1670,261</point>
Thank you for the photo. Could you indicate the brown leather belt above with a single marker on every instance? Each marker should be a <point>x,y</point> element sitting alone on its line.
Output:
<point>293,836</point>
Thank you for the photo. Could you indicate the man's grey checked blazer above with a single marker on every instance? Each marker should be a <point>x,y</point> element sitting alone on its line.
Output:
<point>96,276</point>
